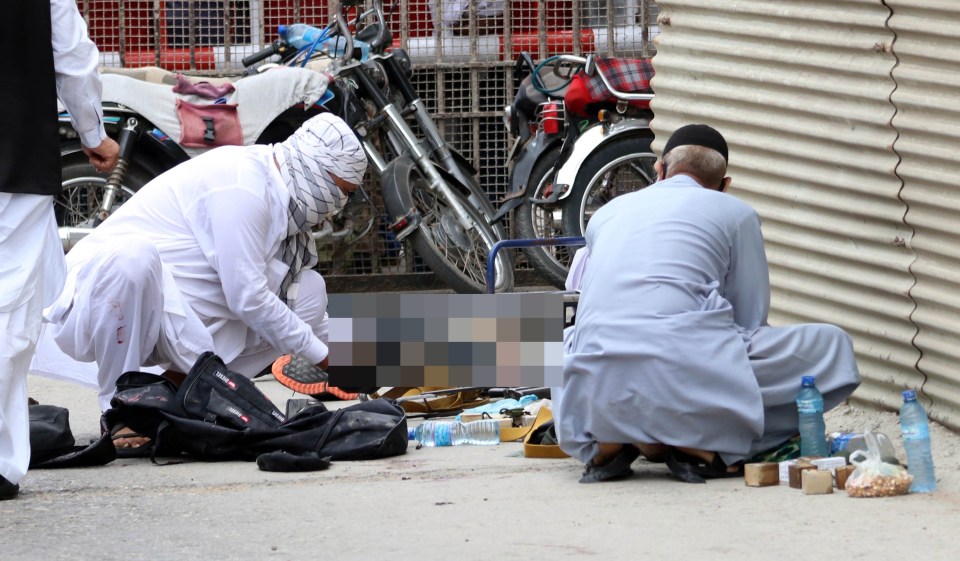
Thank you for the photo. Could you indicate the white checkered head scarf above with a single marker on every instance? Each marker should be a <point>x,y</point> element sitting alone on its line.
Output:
<point>324,145</point>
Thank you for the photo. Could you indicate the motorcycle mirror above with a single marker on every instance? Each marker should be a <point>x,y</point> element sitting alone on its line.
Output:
<point>589,66</point>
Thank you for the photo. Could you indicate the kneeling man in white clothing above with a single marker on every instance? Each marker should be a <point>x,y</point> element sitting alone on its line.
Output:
<point>213,255</point>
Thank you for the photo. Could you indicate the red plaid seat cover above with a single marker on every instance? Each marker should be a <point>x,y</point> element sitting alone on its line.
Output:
<point>626,75</point>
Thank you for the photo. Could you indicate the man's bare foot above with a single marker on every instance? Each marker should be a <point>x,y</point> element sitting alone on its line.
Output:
<point>707,457</point>
<point>127,438</point>
<point>606,453</point>
<point>655,452</point>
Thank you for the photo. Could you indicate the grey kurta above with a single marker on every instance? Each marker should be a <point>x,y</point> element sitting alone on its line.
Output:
<point>671,342</point>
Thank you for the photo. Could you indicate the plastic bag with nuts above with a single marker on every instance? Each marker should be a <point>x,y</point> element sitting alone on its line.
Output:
<point>873,477</point>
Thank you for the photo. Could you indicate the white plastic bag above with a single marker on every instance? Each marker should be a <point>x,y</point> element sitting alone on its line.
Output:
<point>873,477</point>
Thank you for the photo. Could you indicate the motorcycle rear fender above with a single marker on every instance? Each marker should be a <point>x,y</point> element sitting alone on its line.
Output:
<point>398,198</point>
<point>592,139</point>
<point>530,154</point>
<point>155,150</point>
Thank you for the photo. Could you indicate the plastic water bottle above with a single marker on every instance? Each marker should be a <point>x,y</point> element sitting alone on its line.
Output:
<point>813,440</point>
<point>299,35</point>
<point>455,433</point>
<point>916,441</point>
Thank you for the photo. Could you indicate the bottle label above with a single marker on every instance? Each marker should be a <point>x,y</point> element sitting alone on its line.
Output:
<point>441,435</point>
<point>921,432</point>
<point>805,406</point>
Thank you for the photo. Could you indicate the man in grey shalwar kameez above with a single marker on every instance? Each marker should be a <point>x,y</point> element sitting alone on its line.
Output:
<point>671,350</point>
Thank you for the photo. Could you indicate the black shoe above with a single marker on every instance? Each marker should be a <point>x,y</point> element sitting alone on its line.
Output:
<point>691,469</point>
<point>617,468</point>
<point>8,490</point>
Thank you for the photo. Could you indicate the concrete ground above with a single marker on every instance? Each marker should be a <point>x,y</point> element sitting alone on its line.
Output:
<point>458,503</point>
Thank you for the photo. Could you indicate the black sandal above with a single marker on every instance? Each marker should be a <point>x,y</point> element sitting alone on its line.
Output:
<point>691,469</point>
<point>617,468</point>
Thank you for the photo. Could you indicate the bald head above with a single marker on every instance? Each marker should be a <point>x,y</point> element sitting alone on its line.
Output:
<point>704,164</point>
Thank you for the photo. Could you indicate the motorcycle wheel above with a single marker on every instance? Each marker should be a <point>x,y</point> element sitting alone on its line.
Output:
<point>540,221</point>
<point>83,186</point>
<point>457,256</point>
<point>623,166</point>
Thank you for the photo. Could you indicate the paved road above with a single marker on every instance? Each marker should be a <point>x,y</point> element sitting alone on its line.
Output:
<point>447,504</point>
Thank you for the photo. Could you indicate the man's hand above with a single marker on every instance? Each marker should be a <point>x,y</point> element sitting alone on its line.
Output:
<point>105,156</point>
<point>324,363</point>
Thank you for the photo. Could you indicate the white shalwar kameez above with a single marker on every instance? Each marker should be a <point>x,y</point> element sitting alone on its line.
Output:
<point>671,343</point>
<point>31,257</point>
<point>189,265</point>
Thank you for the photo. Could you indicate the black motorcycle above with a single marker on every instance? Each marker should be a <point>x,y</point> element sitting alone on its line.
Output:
<point>430,192</point>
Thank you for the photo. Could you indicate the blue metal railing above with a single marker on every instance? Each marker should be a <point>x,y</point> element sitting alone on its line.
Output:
<point>529,242</point>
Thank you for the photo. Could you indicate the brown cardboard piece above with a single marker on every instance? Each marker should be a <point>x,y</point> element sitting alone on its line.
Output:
<point>795,470</point>
<point>762,474</point>
<point>816,482</point>
<point>842,475</point>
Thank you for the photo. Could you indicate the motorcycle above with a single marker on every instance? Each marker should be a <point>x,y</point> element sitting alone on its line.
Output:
<point>536,121</point>
<point>430,192</point>
<point>611,157</point>
<point>588,143</point>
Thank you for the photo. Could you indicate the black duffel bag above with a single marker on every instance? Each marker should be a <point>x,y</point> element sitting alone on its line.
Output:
<point>217,414</point>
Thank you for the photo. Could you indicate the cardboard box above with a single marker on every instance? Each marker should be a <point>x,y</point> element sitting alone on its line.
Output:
<point>785,471</point>
<point>842,475</point>
<point>763,474</point>
<point>795,470</point>
<point>830,464</point>
<point>805,461</point>
<point>816,482</point>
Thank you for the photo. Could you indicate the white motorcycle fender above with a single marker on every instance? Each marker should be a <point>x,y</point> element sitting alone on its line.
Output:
<point>587,143</point>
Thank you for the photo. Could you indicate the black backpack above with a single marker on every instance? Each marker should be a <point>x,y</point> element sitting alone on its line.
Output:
<point>217,414</point>
<point>52,444</point>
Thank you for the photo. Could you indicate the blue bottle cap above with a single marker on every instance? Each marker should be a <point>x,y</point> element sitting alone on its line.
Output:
<point>281,29</point>
<point>909,395</point>
<point>806,380</point>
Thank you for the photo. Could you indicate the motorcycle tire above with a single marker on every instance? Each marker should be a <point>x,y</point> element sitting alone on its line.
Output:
<point>622,166</point>
<point>540,221</point>
<point>457,257</point>
<point>83,185</point>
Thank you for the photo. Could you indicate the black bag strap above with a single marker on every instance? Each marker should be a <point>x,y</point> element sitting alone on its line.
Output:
<point>329,428</point>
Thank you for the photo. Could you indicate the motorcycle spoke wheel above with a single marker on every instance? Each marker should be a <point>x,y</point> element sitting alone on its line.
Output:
<point>544,222</point>
<point>621,167</point>
<point>79,201</point>
<point>464,251</point>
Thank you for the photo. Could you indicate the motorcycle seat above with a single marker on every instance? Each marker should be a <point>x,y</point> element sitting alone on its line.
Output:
<point>155,75</point>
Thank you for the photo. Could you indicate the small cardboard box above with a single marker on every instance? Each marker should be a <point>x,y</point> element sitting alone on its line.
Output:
<point>785,471</point>
<point>762,474</point>
<point>830,464</point>
<point>842,475</point>
<point>816,482</point>
<point>795,470</point>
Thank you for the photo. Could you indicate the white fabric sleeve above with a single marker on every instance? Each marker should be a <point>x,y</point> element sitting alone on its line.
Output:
<point>747,286</point>
<point>232,224</point>
<point>75,60</point>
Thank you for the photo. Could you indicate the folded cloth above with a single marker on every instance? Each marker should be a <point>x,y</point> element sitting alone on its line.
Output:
<point>202,89</point>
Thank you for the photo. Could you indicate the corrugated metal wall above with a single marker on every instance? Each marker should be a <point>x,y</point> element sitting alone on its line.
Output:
<point>845,151</point>
<point>927,100</point>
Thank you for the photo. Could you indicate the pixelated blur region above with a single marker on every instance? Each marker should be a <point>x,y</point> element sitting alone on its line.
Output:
<point>503,340</point>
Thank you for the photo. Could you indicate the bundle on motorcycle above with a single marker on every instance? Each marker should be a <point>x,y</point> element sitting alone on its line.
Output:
<point>570,113</point>
<point>430,192</point>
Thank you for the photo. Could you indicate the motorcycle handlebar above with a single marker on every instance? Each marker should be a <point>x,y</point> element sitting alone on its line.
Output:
<point>272,49</point>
